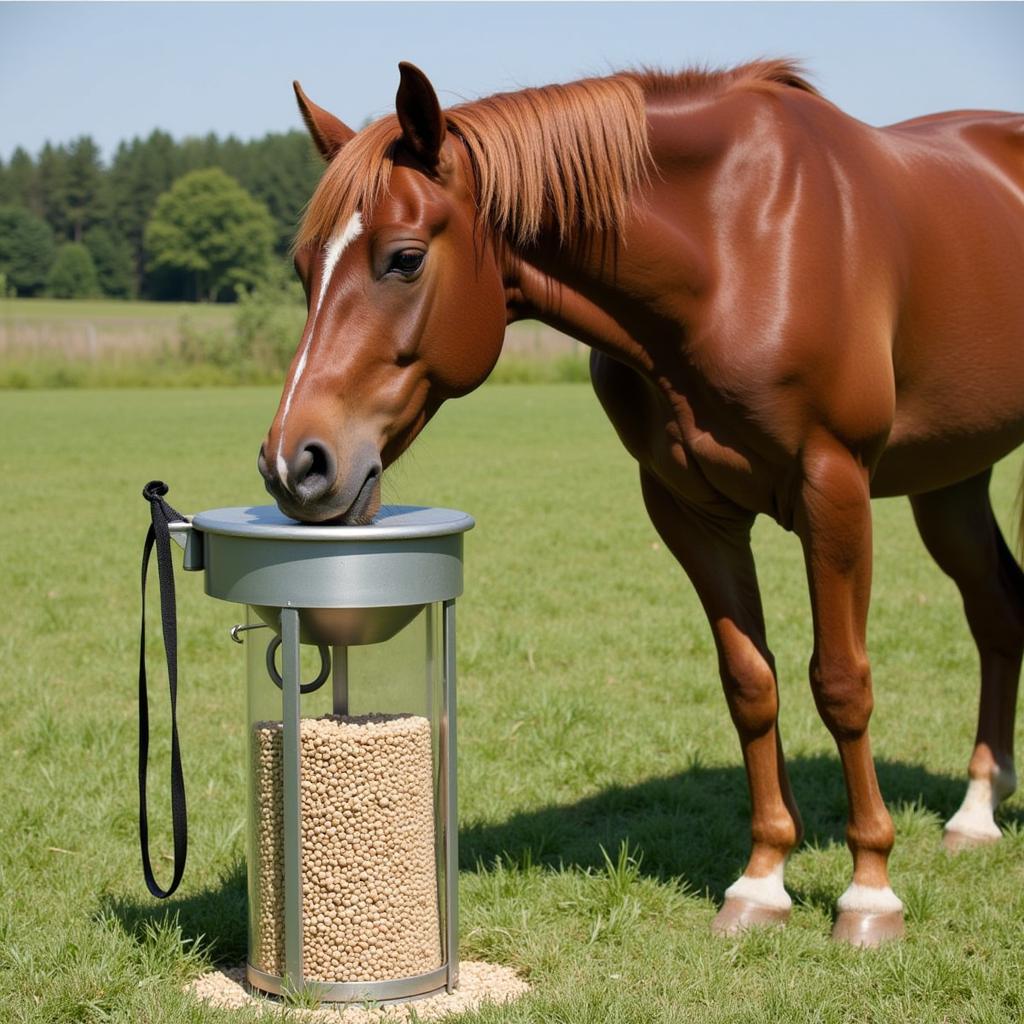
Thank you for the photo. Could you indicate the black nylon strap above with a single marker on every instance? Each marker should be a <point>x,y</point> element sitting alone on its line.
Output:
<point>159,535</point>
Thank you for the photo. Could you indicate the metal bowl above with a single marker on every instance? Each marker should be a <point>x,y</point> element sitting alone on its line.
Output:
<point>344,627</point>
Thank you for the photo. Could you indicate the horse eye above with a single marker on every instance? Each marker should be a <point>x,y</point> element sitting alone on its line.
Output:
<point>406,262</point>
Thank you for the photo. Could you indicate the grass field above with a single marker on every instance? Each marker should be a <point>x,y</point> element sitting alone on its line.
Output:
<point>102,310</point>
<point>591,720</point>
<point>97,328</point>
<point>105,343</point>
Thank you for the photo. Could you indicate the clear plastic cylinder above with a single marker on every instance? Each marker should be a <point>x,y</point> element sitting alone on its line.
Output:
<point>372,811</point>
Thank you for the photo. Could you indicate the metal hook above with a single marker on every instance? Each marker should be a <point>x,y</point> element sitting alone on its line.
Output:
<point>239,628</point>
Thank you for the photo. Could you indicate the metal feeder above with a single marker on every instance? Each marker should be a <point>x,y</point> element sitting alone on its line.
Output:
<point>369,613</point>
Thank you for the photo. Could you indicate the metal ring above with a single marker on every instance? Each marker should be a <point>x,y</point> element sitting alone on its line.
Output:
<point>325,667</point>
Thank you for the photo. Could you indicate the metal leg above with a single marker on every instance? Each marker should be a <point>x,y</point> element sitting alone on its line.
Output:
<point>340,680</point>
<point>451,814</point>
<point>430,673</point>
<point>290,716</point>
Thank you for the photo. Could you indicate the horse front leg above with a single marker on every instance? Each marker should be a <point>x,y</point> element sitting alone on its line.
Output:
<point>716,555</point>
<point>834,523</point>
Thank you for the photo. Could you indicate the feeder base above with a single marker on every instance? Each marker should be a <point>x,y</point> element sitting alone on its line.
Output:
<point>397,990</point>
<point>479,983</point>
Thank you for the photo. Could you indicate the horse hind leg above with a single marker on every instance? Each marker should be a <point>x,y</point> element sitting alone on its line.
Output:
<point>960,532</point>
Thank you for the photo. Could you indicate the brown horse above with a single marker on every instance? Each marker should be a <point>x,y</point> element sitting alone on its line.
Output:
<point>790,312</point>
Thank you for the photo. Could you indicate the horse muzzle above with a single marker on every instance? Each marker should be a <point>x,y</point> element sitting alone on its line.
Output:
<point>308,485</point>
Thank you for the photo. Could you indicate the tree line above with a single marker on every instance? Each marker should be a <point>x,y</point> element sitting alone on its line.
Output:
<point>199,218</point>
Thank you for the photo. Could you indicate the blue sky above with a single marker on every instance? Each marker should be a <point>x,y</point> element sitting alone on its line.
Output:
<point>117,70</point>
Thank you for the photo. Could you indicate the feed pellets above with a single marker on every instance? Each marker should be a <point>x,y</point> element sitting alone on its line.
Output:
<point>369,863</point>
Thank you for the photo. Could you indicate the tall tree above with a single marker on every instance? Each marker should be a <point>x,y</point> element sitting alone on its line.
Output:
<point>142,170</point>
<point>112,256</point>
<point>26,250</point>
<point>71,189</point>
<point>196,153</point>
<point>20,182</point>
<point>282,170</point>
<point>84,185</point>
<point>52,182</point>
<point>208,226</point>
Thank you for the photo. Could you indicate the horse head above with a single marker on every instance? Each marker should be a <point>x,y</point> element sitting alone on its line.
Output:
<point>406,305</point>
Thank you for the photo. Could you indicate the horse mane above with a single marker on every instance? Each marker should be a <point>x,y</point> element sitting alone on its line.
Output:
<point>573,153</point>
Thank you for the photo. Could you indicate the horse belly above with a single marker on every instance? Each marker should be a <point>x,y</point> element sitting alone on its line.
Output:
<point>921,464</point>
<point>963,411</point>
<point>958,348</point>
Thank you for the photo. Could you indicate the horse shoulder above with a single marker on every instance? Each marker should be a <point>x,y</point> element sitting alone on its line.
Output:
<point>799,331</point>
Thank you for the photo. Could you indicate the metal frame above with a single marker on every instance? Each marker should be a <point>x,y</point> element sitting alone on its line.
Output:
<point>339,681</point>
<point>444,978</point>
<point>291,797</point>
<point>450,816</point>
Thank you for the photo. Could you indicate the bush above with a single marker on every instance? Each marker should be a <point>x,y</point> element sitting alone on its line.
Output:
<point>259,344</point>
<point>73,274</point>
<point>570,368</point>
<point>269,322</point>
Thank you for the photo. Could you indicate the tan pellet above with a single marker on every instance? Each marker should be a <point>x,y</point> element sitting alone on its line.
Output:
<point>369,879</point>
<point>479,983</point>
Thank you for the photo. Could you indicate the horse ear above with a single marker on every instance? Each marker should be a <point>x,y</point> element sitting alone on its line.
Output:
<point>328,132</point>
<point>419,114</point>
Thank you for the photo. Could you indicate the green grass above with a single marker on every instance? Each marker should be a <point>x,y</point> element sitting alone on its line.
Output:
<point>603,806</point>
<point>44,310</point>
<point>77,343</point>
<point>65,343</point>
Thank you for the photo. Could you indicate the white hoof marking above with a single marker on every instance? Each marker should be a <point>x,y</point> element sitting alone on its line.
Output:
<point>766,891</point>
<point>867,899</point>
<point>976,815</point>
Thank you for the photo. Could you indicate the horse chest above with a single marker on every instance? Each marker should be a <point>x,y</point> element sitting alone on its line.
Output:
<point>664,434</point>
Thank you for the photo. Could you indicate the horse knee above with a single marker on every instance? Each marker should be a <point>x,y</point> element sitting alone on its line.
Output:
<point>749,683</point>
<point>842,693</point>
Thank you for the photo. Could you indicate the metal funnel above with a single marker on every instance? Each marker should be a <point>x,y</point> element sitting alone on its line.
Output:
<point>344,627</point>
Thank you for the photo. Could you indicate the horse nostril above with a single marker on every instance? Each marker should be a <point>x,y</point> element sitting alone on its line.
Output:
<point>261,464</point>
<point>312,471</point>
<point>320,460</point>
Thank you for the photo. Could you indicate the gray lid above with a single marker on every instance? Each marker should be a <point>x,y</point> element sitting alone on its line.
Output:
<point>408,556</point>
<point>392,522</point>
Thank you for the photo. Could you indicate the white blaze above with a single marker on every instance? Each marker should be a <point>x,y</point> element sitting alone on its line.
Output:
<point>336,245</point>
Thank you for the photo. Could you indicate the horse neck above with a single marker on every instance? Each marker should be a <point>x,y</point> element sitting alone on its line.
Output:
<point>555,288</point>
<point>603,292</point>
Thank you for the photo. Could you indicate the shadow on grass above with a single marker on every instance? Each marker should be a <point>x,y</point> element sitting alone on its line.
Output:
<point>694,825</point>
<point>215,917</point>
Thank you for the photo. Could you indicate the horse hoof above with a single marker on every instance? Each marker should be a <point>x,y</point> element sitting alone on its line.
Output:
<point>868,930</point>
<point>955,841</point>
<point>737,915</point>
